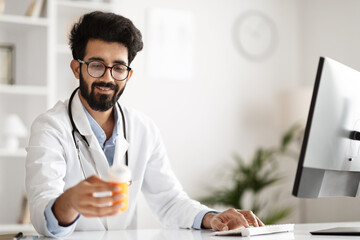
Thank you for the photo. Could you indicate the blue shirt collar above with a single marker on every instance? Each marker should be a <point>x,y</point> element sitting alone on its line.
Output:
<point>99,132</point>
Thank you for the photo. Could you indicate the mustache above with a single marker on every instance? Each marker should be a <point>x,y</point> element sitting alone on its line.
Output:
<point>102,84</point>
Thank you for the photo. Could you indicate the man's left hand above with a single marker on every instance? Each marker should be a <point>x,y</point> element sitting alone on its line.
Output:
<point>231,219</point>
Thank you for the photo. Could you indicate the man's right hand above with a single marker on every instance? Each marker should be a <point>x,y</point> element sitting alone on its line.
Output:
<point>80,200</point>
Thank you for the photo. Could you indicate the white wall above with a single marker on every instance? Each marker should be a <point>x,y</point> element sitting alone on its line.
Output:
<point>208,120</point>
<point>329,28</point>
<point>205,121</point>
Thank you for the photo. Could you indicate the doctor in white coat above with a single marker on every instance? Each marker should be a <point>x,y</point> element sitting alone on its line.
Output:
<point>73,145</point>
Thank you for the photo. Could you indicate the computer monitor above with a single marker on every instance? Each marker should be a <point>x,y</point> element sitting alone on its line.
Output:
<point>329,163</point>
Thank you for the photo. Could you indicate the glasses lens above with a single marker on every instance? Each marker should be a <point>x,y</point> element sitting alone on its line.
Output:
<point>120,72</point>
<point>96,69</point>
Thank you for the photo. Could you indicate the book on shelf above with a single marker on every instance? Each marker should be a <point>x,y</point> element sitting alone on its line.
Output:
<point>24,217</point>
<point>36,8</point>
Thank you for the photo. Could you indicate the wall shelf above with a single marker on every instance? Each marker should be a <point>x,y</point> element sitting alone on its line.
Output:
<point>24,90</point>
<point>24,20</point>
<point>84,5</point>
<point>25,228</point>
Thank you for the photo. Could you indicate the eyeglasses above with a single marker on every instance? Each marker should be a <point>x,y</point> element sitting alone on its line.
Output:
<point>97,69</point>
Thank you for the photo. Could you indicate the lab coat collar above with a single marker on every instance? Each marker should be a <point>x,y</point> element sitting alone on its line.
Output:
<point>80,119</point>
<point>97,153</point>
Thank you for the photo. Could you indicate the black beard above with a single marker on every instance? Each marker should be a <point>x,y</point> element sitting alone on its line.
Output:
<point>100,102</point>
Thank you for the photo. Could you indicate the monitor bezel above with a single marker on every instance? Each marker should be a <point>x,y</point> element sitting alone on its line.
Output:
<point>308,127</point>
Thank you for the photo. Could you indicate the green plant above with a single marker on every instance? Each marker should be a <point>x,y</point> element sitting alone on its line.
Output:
<point>257,175</point>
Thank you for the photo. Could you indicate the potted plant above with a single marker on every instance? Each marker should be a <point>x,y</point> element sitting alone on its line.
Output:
<point>258,174</point>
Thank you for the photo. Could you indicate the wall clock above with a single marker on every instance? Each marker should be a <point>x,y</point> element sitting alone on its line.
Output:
<point>255,35</point>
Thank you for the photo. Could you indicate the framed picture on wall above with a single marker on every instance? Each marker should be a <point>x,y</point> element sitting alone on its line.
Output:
<point>171,44</point>
<point>7,63</point>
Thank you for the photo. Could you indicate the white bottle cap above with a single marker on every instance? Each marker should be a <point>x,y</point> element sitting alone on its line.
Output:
<point>119,173</point>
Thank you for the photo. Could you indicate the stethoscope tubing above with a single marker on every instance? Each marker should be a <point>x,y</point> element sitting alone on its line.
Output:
<point>75,130</point>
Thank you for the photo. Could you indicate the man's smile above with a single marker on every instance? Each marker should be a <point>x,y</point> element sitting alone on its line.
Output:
<point>105,90</point>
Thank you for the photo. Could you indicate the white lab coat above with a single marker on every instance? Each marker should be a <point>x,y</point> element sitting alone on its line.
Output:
<point>52,166</point>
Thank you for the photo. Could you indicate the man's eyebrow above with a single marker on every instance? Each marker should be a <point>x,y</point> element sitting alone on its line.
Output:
<point>120,62</point>
<point>96,59</point>
<point>102,60</point>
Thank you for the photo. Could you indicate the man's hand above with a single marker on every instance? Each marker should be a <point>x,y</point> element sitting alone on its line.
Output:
<point>80,199</point>
<point>230,219</point>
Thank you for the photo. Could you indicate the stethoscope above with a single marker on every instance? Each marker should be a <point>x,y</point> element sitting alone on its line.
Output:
<point>75,130</point>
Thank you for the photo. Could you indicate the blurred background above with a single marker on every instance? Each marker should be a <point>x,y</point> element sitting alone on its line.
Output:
<point>219,78</point>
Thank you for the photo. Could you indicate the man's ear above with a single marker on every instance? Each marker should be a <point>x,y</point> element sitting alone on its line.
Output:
<point>130,74</point>
<point>75,67</point>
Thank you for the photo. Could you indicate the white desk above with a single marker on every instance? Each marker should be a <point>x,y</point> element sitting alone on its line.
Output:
<point>301,233</point>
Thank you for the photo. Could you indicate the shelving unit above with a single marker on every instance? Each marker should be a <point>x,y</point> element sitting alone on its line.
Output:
<point>24,20</point>
<point>42,77</point>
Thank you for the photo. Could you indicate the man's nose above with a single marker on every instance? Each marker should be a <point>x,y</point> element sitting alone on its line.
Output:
<point>107,77</point>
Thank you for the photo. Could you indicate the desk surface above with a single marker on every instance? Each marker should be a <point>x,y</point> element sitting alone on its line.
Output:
<point>301,233</point>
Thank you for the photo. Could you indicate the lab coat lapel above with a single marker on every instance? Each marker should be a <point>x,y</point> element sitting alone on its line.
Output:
<point>80,119</point>
<point>83,125</point>
<point>121,143</point>
<point>122,220</point>
<point>102,165</point>
<point>120,150</point>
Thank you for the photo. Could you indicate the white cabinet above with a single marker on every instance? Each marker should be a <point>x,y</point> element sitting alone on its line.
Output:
<point>42,77</point>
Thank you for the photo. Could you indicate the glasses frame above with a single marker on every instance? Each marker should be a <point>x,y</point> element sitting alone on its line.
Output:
<point>106,67</point>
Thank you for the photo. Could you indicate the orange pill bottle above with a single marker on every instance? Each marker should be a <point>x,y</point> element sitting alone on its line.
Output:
<point>120,175</point>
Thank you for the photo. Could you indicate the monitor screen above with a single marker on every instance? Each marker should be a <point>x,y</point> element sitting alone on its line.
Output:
<point>329,163</point>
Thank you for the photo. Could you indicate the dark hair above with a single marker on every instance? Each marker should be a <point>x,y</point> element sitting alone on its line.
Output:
<point>108,27</point>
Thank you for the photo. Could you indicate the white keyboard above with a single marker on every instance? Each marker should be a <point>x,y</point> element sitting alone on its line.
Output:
<point>253,231</point>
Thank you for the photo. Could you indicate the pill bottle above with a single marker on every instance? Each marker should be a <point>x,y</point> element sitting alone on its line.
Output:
<point>120,175</point>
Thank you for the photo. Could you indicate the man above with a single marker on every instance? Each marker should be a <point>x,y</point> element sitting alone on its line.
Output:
<point>73,145</point>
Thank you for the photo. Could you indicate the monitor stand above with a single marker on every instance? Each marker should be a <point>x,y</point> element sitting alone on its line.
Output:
<point>339,231</point>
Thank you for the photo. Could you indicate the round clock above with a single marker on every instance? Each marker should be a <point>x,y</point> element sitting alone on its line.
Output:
<point>255,35</point>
